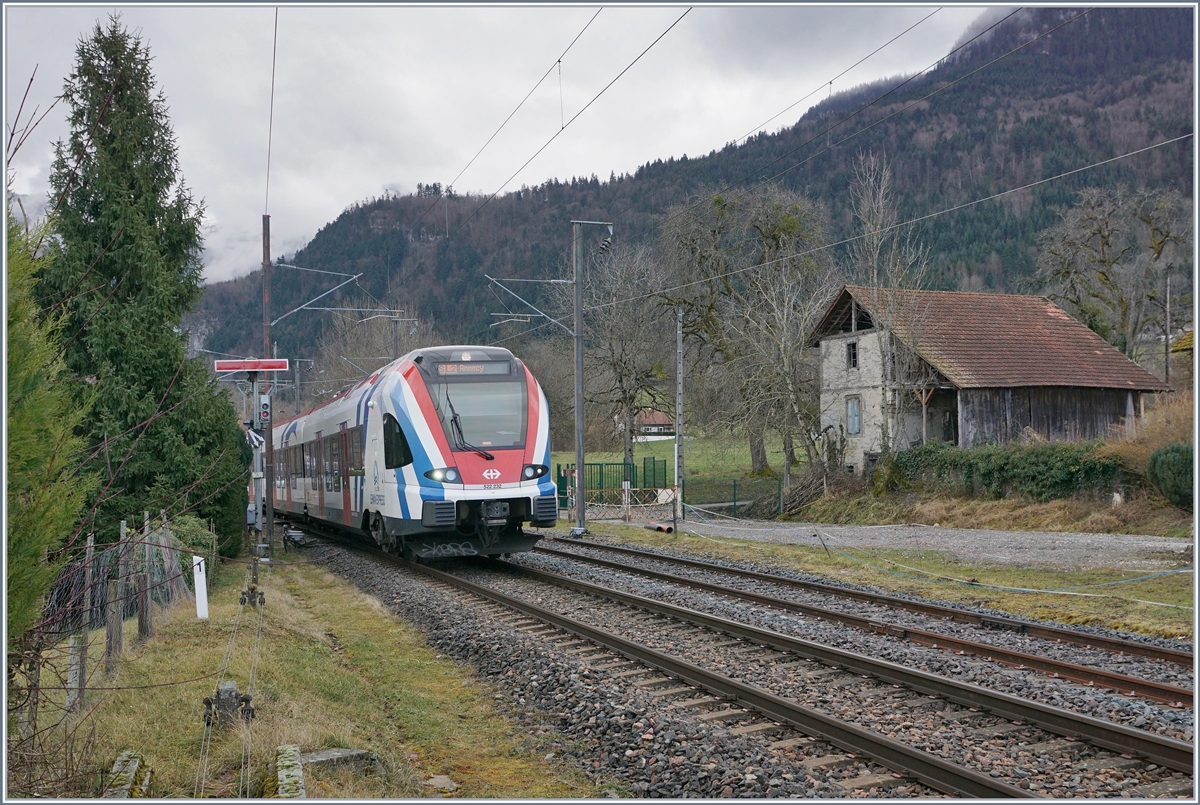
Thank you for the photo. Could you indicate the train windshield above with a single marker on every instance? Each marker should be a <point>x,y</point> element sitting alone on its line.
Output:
<point>491,414</point>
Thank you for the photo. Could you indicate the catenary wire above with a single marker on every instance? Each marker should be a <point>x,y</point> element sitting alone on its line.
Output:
<point>557,62</point>
<point>862,109</point>
<point>695,165</point>
<point>271,114</point>
<point>553,137</point>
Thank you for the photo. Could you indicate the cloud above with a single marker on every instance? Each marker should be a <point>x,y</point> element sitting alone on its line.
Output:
<point>369,98</point>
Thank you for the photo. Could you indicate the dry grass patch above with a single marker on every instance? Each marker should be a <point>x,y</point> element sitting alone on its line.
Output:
<point>1146,512</point>
<point>1160,606</point>
<point>334,670</point>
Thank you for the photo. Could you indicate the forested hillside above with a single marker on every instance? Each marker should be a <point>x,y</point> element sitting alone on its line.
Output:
<point>991,117</point>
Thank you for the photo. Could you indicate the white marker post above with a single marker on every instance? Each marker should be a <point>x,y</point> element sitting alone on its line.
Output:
<point>201,587</point>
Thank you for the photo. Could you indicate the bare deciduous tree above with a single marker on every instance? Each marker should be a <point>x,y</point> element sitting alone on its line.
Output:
<point>759,277</point>
<point>890,259</point>
<point>1108,256</point>
<point>627,334</point>
<point>353,347</point>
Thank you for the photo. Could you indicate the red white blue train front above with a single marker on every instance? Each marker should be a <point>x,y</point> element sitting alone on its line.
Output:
<point>443,452</point>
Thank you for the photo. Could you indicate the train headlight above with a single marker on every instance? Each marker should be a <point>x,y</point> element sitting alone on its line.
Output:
<point>447,475</point>
<point>531,471</point>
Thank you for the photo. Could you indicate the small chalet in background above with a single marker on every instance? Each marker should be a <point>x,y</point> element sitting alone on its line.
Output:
<point>968,368</point>
<point>649,422</point>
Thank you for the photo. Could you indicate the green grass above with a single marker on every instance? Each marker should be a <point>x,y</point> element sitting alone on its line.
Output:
<point>335,669</point>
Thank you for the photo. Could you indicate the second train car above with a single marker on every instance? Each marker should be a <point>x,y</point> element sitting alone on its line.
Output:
<point>444,452</point>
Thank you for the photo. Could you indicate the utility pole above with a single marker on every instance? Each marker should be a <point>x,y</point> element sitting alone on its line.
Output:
<point>1167,330</point>
<point>677,509</point>
<point>577,254</point>
<point>577,259</point>
<point>269,453</point>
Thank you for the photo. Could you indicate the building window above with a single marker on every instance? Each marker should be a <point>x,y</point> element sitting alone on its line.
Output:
<point>852,355</point>
<point>853,416</point>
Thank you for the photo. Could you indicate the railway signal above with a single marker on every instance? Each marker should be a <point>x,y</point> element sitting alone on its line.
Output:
<point>264,410</point>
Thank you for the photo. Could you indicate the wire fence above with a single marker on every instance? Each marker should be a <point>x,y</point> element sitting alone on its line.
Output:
<point>52,666</point>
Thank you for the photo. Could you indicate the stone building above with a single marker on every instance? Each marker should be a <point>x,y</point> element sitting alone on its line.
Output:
<point>968,368</point>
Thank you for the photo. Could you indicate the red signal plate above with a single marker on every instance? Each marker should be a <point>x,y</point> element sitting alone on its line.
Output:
<point>261,365</point>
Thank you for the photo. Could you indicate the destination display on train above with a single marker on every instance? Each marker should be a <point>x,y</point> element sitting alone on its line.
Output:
<point>480,368</point>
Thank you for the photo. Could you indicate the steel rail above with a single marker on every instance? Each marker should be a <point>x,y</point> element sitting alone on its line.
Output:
<point>1114,644</point>
<point>1165,751</point>
<point>929,769</point>
<point>1159,691</point>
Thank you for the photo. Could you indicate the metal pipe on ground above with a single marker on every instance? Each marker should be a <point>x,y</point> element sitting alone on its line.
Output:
<point>660,527</point>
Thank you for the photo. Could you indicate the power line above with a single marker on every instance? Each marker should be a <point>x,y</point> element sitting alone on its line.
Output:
<point>857,112</point>
<point>486,201</point>
<point>860,111</point>
<point>557,62</point>
<point>902,224</point>
<point>271,115</point>
<point>692,168</point>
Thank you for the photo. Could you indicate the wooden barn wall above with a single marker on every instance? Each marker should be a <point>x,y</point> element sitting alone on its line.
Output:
<point>1056,413</point>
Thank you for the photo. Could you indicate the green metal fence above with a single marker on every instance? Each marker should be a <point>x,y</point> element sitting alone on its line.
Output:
<point>604,481</point>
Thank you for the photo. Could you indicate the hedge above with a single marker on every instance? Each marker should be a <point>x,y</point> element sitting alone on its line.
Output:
<point>1170,470</point>
<point>1040,471</point>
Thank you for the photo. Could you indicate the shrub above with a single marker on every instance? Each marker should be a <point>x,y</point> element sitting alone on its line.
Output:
<point>1170,470</point>
<point>1039,471</point>
<point>1168,419</point>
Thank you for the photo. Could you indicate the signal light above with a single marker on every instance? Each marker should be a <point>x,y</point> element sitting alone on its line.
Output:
<point>264,409</point>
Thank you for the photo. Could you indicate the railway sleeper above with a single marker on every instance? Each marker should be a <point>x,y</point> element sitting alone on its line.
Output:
<point>727,714</point>
<point>884,782</point>
<point>828,762</point>
<point>757,729</point>
<point>1060,746</point>
<point>1174,787</point>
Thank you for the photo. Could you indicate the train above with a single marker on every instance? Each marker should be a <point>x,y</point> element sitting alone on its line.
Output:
<point>444,452</point>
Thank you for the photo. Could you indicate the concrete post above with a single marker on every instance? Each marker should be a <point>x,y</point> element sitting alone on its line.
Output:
<point>145,626</point>
<point>112,642</point>
<point>77,670</point>
<point>123,570</point>
<point>89,597</point>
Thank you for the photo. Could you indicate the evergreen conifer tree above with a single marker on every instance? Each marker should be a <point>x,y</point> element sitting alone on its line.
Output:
<point>45,492</point>
<point>127,268</point>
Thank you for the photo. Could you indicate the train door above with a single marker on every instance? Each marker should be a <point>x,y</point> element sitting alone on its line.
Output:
<point>321,473</point>
<point>355,472</point>
<point>343,444</point>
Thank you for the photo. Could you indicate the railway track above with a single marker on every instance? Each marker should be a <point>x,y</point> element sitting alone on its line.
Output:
<point>1014,625</point>
<point>760,706</point>
<point>1088,675</point>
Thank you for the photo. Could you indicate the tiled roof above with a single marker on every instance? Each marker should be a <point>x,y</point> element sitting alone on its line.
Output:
<point>980,340</point>
<point>1183,343</point>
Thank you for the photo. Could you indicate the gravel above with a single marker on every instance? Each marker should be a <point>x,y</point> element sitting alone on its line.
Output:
<point>1058,549</point>
<point>629,740</point>
<point>612,731</point>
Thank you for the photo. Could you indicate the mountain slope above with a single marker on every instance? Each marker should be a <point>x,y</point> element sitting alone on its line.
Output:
<point>988,119</point>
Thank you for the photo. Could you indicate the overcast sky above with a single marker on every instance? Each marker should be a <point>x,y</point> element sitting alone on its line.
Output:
<point>376,98</point>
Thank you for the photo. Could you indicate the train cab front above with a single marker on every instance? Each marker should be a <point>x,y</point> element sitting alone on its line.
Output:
<point>490,420</point>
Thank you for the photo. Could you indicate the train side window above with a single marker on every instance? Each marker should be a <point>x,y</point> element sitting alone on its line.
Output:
<point>335,448</point>
<point>327,450</point>
<point>395,446</point>
<point>355,466</point>
<point>313,456</point>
